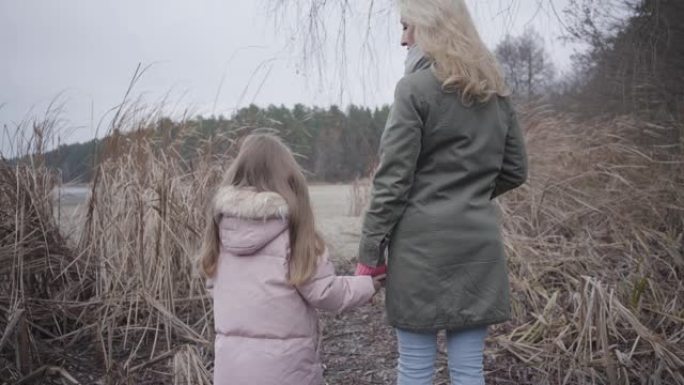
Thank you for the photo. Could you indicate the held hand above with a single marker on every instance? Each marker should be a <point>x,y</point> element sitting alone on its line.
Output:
<point>379,281</point>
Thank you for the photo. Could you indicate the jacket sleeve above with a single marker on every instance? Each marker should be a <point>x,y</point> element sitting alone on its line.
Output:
<point>513,171</point>
<point>326,291</point>
<point>400,147</point>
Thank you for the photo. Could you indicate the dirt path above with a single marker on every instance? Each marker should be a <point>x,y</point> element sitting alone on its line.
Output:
<point>358,346</point>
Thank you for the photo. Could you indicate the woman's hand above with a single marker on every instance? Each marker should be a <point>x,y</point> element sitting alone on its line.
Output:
<point>379,281</point>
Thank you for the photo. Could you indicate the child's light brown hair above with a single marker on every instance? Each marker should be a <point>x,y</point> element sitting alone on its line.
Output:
<point>266,164</point>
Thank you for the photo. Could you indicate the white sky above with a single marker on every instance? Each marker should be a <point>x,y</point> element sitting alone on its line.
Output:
<point>86,51</point>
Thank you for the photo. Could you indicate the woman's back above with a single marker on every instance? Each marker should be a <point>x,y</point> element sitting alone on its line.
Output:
<point>461,153</point>
<point>442,164</point>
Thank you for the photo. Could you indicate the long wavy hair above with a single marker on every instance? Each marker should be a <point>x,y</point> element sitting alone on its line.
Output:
<point>264,163</point>
<point>446,33</point>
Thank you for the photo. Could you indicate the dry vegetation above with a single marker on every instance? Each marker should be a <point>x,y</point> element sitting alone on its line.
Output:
<point>595,241</point>
<point>359,196</point>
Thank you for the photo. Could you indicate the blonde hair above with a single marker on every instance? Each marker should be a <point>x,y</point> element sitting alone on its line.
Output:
<point>445,32</point>
<point>266,164</point>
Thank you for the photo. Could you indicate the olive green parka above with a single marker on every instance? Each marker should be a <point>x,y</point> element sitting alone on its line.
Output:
<point>442,163</point>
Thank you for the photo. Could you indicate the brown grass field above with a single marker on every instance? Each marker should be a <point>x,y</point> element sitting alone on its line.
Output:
<point>109,293</point>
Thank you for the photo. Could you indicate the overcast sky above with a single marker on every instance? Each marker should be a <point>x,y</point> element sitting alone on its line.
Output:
<point>210,55</point>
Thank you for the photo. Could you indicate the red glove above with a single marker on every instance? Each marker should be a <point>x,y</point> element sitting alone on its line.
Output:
<point>362,269</point>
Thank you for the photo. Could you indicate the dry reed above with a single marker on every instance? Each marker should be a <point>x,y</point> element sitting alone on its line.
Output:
<point>359,197</point>
<point>595,244</point>
<point>123,300</point>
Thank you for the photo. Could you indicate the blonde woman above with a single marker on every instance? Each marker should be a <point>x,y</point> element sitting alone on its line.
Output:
<point>451,145</point>
<point>270,271</point>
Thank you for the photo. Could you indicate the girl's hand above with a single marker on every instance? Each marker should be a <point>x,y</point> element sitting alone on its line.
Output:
<point>379,281</point>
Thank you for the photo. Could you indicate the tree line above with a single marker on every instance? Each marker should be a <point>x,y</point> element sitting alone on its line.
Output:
<point>331,144</point>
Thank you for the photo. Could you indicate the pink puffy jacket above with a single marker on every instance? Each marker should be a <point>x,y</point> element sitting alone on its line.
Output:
<point>267,329</point>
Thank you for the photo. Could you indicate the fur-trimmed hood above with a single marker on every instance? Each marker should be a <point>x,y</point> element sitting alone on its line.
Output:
<point>247,203</point>
<point>248,220</point>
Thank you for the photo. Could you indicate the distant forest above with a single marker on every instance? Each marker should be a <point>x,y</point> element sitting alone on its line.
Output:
<point>332,145</point>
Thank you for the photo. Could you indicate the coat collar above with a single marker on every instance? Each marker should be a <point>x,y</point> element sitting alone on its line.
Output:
<point>247,203</point>
<point>416,60</point>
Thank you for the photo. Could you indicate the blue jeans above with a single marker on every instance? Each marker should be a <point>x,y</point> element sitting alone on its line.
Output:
<point>417,353</point>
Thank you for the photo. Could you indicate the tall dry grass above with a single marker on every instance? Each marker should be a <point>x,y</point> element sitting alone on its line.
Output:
<point>596,247</point>
<point>594,239</point>
<point>123,301</point>
<point>140,232</point>
<point>359,196</point>
<point>39,276</point>
<point>360,192</point>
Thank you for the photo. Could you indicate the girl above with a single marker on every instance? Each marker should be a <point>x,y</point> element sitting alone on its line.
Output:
<point>452,143</point>
<point>270,271</point>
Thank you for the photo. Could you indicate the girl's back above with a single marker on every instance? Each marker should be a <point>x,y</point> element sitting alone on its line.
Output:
<point>267,328</point>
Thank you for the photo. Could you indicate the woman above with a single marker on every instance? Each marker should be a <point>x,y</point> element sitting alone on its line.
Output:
<point>452,143</point>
